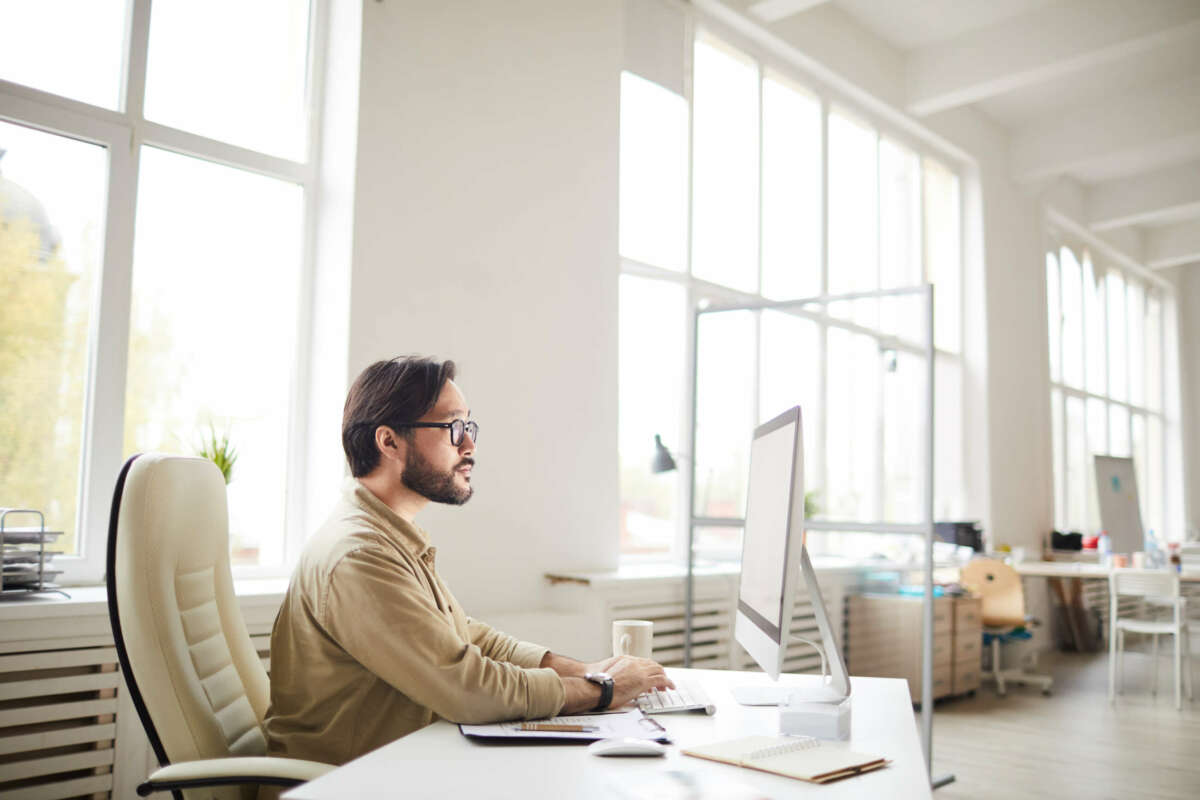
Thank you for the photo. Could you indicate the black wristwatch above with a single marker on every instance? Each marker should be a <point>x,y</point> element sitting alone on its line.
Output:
<point>605,681</point>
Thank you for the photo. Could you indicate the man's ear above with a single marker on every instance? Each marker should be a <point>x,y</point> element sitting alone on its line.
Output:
<point>391,445</point>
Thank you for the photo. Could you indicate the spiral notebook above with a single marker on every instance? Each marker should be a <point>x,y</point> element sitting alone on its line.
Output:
<point>800,757</point>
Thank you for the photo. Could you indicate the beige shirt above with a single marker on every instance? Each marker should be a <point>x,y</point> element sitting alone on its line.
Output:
<point>370,645</point>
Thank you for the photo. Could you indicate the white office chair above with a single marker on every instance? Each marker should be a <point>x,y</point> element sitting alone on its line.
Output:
<point>189,665</point>
<point>1160,589</point>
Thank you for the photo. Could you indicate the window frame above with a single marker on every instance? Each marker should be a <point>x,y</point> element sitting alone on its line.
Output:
<point>1057,237</point>
<point>123,133</point>
<point>829,96</point>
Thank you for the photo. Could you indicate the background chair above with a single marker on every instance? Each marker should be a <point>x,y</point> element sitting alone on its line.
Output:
<point>1159,588</point>
<point>1004,618</point>
<point>189,665</point>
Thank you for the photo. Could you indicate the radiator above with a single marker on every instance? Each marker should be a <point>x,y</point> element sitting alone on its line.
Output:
<point>595,604</point>
<point>58,723</point>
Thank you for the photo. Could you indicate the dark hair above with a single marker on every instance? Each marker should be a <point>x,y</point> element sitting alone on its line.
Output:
<point>388,393</point>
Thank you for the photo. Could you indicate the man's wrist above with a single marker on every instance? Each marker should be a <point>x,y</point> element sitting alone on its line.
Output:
<point>564,666</point>
<point>581,695</point>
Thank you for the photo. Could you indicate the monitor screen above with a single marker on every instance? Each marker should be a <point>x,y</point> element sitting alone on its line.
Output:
<point>765,539</point>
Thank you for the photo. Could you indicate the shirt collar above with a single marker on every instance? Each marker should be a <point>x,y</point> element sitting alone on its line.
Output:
<point>409,535</point>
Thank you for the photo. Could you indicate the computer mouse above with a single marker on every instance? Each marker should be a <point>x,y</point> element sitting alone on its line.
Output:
<point>627,747</point>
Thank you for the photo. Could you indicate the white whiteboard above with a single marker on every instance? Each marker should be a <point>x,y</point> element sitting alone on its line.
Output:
<point>1120,514</point>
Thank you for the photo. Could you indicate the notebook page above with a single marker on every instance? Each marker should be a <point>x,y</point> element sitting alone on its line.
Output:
<point>813,764</point>
<point>800,757</point>
<point>737,751</point>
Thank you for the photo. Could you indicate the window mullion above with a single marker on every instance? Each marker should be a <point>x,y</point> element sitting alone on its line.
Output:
<point>104,406</point>
<point>137,48</point>
<point>104,409</point>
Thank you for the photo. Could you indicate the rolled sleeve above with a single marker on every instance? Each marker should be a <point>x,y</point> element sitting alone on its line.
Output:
<point>502,647</point>
<point>382,615</point>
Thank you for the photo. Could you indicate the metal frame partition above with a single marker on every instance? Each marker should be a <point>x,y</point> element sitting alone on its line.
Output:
<point>925,527</point>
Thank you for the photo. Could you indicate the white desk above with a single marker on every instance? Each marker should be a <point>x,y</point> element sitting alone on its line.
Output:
<point>1077,624</point>
<point>1079,569</point>
<point>439,762</point>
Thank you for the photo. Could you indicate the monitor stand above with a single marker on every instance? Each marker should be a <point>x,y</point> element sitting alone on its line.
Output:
<point>784,695</point>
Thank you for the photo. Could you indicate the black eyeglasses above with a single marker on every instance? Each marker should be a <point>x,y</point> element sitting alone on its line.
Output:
<point>457,428</point>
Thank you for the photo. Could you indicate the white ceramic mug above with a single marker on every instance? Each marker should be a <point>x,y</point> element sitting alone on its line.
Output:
<point>632,637</point>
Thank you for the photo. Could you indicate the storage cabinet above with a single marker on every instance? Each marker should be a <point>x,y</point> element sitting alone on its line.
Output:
<point>884,636</point>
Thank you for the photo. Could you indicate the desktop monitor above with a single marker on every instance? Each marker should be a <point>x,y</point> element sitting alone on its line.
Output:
<point>775,564</point>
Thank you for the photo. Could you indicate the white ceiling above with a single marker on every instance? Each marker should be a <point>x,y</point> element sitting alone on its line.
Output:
<point>909,24</point>
<point>1104,93</point>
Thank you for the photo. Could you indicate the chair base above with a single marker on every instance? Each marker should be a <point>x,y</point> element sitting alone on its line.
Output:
<point>1003,677</point>
<point>1019,677</point>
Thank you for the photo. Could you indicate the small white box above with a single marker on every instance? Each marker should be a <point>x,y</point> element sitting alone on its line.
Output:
<point>822,720</point>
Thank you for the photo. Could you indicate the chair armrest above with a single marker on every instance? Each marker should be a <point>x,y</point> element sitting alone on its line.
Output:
<point>233,771</point>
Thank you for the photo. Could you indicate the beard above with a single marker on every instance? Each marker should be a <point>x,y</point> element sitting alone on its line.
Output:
<point>420,476</point>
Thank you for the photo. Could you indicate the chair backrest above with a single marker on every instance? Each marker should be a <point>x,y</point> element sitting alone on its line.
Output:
<point>1143,583</point>
<point>1000,587</point>
<point>189,665</point>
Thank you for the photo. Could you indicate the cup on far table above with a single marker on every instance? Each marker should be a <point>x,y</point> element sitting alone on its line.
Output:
<point>632,637</point>
<point>1139,560</point>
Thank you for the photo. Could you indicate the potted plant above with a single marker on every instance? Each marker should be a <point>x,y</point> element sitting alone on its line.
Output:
<point>219,451</point>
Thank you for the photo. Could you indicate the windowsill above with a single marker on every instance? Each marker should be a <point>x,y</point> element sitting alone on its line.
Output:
<point>92,600</point>
<point>634,571</point>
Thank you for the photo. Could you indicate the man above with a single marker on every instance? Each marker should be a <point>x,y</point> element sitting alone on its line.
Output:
<point>369,644</point>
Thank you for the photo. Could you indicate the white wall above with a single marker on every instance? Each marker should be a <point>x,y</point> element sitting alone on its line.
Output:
<point>486,232</point>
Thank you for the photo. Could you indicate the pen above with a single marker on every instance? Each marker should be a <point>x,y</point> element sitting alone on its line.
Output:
<point>551,727</point>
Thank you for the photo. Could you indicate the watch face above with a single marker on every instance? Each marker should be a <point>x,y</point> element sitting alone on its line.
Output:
<point>598,677</point>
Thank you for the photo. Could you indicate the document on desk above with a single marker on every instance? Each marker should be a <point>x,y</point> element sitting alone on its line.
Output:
<point>580,727</point>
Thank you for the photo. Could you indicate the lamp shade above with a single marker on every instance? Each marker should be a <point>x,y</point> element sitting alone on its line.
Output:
<point>662,461</point>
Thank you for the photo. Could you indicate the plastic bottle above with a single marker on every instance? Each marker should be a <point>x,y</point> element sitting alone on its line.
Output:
<point>1104,548</point>
<point>1154,555</point>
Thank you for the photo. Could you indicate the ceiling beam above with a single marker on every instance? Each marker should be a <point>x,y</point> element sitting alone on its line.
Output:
<point>1167,196</point>
<point>1173,245</point>
<point>1039,46</point>
<point>1137,132</point>
<point>775,10</point>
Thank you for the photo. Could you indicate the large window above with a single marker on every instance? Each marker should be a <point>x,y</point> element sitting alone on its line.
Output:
<point>1107,385</point>
<point>773,213</point>
<point>156,187</point>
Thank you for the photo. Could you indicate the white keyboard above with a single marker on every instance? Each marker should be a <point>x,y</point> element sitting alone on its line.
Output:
<point>684,697</point>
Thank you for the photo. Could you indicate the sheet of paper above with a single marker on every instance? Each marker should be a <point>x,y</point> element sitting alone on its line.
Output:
<point>631,723</point>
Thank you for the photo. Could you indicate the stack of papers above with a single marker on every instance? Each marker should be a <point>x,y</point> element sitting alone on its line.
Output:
<point>607,725</point>
<point>26,563</point>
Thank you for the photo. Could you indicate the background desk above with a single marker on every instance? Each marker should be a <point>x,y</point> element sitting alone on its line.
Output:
<point>439,762</point>
<point>1066,582</point>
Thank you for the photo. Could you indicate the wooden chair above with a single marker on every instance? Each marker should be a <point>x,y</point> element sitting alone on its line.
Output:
<point>1004,618</point>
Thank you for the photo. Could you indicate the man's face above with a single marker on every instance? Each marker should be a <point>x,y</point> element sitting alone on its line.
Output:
<point>433,467</point>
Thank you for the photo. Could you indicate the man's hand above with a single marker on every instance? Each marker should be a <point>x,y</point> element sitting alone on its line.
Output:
<point>601,666</point>
<point>631,677</point>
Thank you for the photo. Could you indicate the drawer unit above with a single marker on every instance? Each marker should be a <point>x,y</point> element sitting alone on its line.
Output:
<point>884,635</point>
<point>968,644</point>
<point>968,613</point>
<point>966,678</point>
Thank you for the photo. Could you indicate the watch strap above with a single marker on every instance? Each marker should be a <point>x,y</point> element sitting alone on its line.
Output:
<point>605,682</point>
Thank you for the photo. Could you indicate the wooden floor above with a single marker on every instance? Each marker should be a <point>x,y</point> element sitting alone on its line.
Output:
<point>1072,744</point>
